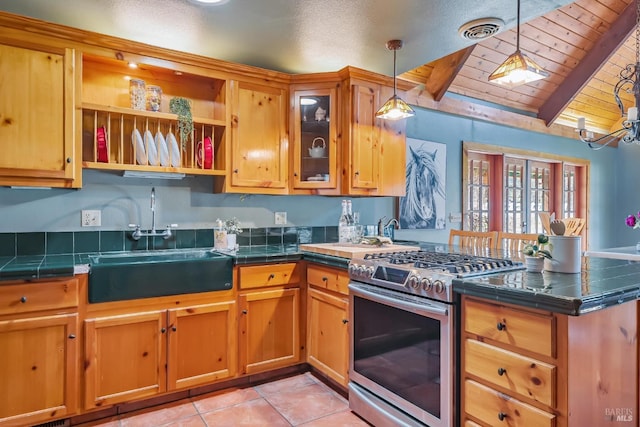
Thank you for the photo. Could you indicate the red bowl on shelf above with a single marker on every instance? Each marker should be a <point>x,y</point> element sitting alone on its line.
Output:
<point>205,149</point>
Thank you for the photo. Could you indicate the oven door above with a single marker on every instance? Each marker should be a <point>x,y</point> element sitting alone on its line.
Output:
<point>401,358</point>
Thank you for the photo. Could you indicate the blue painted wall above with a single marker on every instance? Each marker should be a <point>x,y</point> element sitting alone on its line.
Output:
<point>191,204</point>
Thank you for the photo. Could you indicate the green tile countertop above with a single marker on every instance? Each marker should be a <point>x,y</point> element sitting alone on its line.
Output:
<point>30,267</point>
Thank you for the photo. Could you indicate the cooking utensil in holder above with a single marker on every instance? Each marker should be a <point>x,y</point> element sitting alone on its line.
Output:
<point>318,147</point>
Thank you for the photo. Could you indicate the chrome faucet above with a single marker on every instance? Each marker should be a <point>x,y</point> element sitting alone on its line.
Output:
<point>138,233</point>
<point>382,226</point>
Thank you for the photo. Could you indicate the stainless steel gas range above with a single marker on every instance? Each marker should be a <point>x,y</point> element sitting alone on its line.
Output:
<point>401,367</point>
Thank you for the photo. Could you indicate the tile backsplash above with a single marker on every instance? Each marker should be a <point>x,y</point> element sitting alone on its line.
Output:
<point>55,243</point>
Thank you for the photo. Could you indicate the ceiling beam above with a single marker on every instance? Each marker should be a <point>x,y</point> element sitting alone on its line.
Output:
<point>444,71</point>
<point>604,48</point>
<point>439,73</point>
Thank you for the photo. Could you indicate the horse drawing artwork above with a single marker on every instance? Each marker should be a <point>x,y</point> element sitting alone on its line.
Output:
<point>418,209</point>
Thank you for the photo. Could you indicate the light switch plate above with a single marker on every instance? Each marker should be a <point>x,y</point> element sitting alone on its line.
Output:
<point>280,218</point>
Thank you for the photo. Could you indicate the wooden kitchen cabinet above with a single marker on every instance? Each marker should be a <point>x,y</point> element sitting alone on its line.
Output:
<point>374,159</point>
<point>315,139</point>
<point>38,351</point>
<point>531,367</point>
<point>269,304</point>
<point>107,107</point>
<point>37,110</point>
<point>328,322</point>
<point>136,354</point>
<point>259,139</point>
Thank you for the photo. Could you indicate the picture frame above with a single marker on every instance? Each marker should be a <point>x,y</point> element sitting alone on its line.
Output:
<point>424,204</point>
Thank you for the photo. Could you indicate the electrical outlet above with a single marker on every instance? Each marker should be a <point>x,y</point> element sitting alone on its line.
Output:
<point>280,218</point>
<point>91,219</point>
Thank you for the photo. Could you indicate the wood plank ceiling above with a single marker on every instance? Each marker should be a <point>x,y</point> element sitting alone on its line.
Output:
<point>583,45</point>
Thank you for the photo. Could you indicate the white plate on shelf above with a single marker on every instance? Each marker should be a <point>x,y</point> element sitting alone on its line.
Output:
<point>138,143</point>
<point>163,151</point>
<point>152,151</point>
<point>175,151</point>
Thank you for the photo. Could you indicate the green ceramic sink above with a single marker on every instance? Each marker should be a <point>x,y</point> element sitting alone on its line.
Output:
<point>131,275</point>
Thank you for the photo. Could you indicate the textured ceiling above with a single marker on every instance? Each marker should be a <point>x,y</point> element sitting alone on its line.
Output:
<point>296,36</point>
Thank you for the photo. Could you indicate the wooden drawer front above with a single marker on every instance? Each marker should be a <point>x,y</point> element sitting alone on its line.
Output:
<point>258,276</point>
<point>522,329</point>
<point>497,409</point>
<point>29,297</point>
<point>329,278</point>
<point>523,375</point>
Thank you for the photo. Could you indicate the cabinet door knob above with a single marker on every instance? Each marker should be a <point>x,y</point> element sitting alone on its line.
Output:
<point>501,326</point>
<point>163,330</point>
<point>357,173</point>
<point>235,171</point>
<point>68,159</point>
<point>173,328</point>
<point>295,174</point>
<point>244,311</point>
<point>345,321</point>
<point>502,416</point>
<point>23,299</point>
<point>324,279</point>
<point>72,336</point>
<point>501,371</point>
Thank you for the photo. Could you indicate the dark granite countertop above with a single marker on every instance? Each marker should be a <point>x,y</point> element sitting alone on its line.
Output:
<point>602,282</point>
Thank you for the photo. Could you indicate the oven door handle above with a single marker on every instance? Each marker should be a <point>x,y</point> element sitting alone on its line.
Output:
<point>425,307</point>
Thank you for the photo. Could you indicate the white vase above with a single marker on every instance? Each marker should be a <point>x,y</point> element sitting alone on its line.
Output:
<point>534,264</point>
<point>231,241</point>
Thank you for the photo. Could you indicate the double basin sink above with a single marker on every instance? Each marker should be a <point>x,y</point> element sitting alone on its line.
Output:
<point>131,275</point>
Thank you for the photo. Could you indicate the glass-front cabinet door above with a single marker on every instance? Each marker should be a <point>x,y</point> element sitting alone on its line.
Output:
<point>315,121</point>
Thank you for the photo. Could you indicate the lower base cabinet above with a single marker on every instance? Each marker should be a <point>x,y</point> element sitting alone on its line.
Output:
<point>39,347</point>
<point>132,356</point>
<point>328,334</point>
<point>529,367</point>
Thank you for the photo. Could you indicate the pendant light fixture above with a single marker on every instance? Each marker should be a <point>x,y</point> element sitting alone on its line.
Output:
<point>395,108</point>
<point>518,68</point>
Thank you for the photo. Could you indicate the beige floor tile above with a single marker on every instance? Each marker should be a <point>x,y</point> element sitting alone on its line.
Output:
<point>306,403</point>
<point>286,384</point>
<point>254,413</point>
<point>159,415</point>
<point>104,422</point>
<point>339,419</point>
<point>223,399</point>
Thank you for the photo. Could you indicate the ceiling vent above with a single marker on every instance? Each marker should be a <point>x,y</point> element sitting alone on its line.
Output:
<point>481,29</point>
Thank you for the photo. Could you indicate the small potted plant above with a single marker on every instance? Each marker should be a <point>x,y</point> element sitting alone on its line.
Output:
<point>535,253</point>
<point>232,227</point>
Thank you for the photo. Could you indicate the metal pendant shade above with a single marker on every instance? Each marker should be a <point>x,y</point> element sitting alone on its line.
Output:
<point>518,68</point>
<point>395,108</point>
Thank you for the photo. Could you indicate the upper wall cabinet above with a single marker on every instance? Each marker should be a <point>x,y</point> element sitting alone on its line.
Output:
<point>259,139</point>
<point>315,138</point>
<point>374,156</point>
<point>37,107</point>
<point>127,123</point>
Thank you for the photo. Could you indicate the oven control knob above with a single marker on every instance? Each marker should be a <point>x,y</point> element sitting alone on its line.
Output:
<point>362,271</point>
<point>414,281</point>
<point>353,269</point>
<point>368,272</point>
<point>426,284</point>
<point>438,285</point>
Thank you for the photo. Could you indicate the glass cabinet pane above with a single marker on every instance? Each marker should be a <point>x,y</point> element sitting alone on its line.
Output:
<point>315,114</point>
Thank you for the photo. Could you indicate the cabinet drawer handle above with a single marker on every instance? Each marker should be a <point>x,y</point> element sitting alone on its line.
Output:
<point>235,171</point>
<point>23,299</point>
<point>72,336</point>
<point>163,330</point>
<point>501,371</point>
<point>501,326</point>
<point>324,279</point>
<point>272,276</point>
<point>345,321</point>
<point>502,416</point>
<point>244,311</point>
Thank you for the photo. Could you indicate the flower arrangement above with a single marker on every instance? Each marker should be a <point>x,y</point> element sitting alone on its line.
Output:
<point>541,249</point>
<point>231,226</point>
<point>633,221</point>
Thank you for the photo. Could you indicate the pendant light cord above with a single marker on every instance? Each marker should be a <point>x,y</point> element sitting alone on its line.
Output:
<point>518,29</point>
